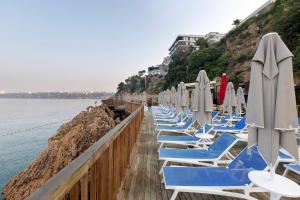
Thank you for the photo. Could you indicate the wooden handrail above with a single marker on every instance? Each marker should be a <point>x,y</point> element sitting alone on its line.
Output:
<point>98,172</point>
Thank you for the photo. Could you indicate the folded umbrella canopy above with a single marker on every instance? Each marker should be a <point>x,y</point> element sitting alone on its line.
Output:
<point>202,104</point>
<point>271,110</point>
<point>240,101</point>
<point>182,98</point>
<point>230,99</point>
<point>222,91</point>
<point>168,97</point>
<point>173,96</point>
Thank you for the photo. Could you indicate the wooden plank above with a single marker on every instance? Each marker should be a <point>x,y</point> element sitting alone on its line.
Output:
<point>93,183</point>
<point>112,193</point>
<point>74,192</point>
<point>84,187</point>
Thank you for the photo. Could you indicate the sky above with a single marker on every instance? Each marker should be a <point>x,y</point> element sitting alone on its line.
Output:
<point>89,45</point>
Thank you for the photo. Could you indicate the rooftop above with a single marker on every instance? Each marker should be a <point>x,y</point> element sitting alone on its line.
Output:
<point>184,35</point>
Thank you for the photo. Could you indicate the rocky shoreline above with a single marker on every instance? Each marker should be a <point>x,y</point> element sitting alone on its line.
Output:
<point>70,140</point>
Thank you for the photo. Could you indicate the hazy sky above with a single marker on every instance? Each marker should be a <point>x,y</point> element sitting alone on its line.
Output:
<point>72,45</point>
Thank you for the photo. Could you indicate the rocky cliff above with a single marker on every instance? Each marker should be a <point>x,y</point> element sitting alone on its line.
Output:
<point>69,142</point>
<point>241,43</point>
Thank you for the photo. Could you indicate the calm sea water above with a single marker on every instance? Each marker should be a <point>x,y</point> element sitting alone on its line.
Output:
<point>26,125</point>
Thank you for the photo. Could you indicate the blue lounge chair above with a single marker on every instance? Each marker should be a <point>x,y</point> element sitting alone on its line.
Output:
<point>203,157</point>
<point>214,115</point>
<point>216,180</point>
<point>183,140</point>
<point>171,123</point>
<point>177,129</point>
<point>239,127</point>
<point>291,167</point>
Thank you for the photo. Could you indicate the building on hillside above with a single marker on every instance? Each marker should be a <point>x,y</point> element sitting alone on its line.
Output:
<point>158,70</point>
<point>163,69</point>
<point>154,71</point>
<point>184,42</point>
<point>213,37</point>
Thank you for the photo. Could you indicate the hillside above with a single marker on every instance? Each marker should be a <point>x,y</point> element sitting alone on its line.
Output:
<point>233,53</point>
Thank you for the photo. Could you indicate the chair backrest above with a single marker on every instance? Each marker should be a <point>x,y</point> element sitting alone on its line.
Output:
<point>247,160</point>
<point>207,128</point>
<point>188,123</point>
<point>214,114</point>
<point>223,143</point>
<point>182,118</point>
<point>241,124</point>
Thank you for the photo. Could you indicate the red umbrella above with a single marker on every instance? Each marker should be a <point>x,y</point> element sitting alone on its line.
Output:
<point>222,90</point>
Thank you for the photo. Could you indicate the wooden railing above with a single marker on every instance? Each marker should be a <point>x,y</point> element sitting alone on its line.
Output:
<point>131,106</point>
<point>98,172</point>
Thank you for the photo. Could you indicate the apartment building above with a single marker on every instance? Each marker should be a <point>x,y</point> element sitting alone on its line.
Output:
<point>183,42</point>
<point>213,37</point>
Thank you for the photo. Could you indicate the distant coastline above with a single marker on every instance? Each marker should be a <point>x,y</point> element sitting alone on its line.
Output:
<point>56,95</point>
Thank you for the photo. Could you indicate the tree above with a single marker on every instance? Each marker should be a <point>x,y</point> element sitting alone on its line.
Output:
<point>141,73</point>
<point>121,87</point>
<point>236,22</point>
<point>202,43</point>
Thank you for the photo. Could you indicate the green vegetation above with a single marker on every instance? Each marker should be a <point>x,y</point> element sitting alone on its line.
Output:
<point>236,49</point>
<point>57,137</point>
<point>233,53</point>
<point>133,84</point>
<point>236,22</point>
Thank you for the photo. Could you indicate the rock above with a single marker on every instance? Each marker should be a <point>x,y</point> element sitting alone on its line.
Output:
<point>69,142</point>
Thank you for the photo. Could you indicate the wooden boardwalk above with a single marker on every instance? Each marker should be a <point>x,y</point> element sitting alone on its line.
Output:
<point>143,182</point>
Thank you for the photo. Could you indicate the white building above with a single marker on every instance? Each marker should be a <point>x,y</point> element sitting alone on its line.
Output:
<point>183,42</point>
<point>158,70</point>
<point>154,71</point>
<point>213,37</point>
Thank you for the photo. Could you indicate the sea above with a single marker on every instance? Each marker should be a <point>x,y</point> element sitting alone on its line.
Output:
<point>26,125</point>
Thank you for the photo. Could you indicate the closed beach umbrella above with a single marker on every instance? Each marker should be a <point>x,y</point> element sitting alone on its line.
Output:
<point>271,109</point>
<point>202,104</point>
<point>240,101</point>
<point>182,98</point>
<point>222,91</point>
<point>230,99</point>
<point>168,97</point>
<point>173,96</point>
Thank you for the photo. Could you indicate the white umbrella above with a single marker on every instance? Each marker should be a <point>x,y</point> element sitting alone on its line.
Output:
<point>173,96</point>
<point>202,105</point>
<point>271,109</point>
<point>230,99</point>
<point>182,98</point>
<point>240,101</point>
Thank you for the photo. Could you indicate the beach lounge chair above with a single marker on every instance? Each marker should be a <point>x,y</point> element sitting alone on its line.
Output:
<point>291,167</point>
<point>177,129</point>
<point>185,140</point>
<point>216,180</point>
<point>169,113</point>
<point>171,123</point>
<point>239,127</point>
<point>168,119</point>
<point>204,157</point>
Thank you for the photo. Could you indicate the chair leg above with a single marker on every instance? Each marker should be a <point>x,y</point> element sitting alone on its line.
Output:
<point>285,173</point>
<point>161,169</point>
<point>174,195</point>
<point>160,146</point>
<point>158,133</point>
